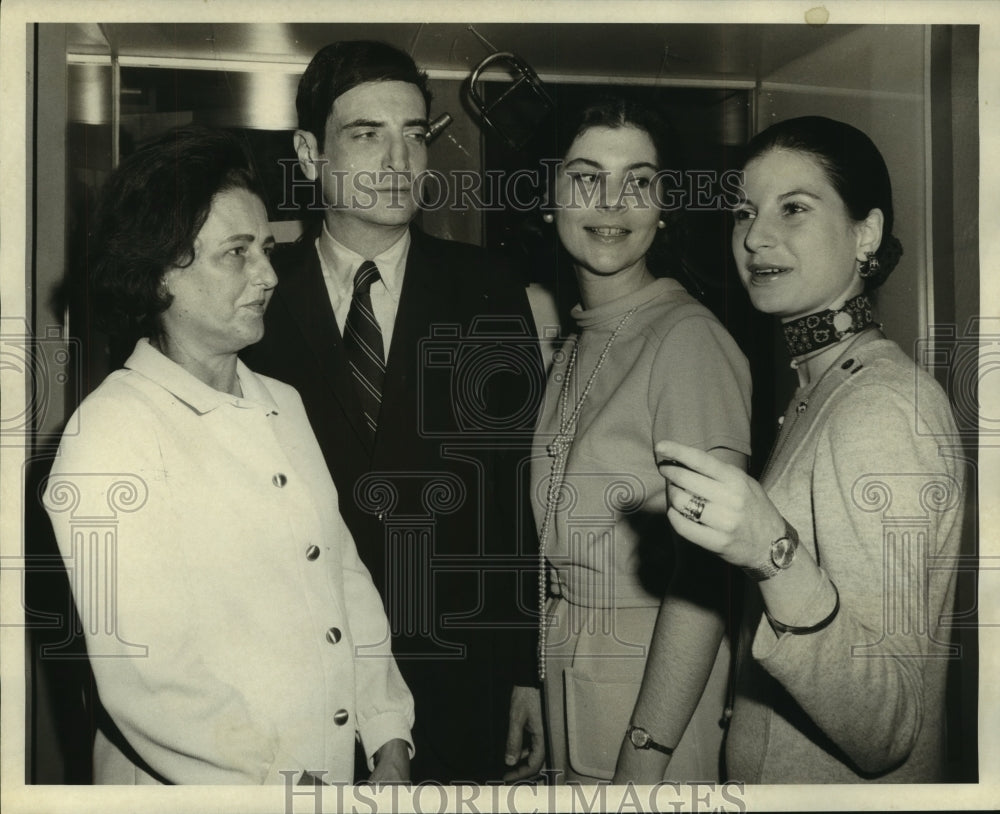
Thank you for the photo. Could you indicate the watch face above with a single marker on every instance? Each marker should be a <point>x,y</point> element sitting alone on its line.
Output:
<point>639,737</point>
<point>783,552</point>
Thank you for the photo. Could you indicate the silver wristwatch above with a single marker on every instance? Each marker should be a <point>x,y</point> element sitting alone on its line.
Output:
<point>780,556</point>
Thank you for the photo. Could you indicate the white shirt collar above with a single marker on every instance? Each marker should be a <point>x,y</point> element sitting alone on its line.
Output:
<point>340,263</point>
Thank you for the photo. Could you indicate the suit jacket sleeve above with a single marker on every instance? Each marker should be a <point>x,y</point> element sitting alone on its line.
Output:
<point>521,399</point>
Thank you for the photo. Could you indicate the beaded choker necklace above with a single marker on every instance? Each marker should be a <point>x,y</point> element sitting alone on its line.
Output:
<point>820,330</point>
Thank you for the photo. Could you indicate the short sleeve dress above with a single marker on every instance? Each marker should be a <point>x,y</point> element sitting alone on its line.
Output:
<point>671,372</point>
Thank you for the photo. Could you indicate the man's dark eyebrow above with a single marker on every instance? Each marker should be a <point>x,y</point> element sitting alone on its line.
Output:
<point>375,124</point>
<point>362,123</point>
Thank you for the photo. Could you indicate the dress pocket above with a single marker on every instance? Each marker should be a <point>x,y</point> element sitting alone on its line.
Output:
<point>597,715</point>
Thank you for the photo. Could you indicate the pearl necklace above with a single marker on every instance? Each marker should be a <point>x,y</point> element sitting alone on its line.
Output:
<point>559,450</point>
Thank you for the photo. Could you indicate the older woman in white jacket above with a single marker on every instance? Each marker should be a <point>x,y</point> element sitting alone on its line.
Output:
<point>234,634</point>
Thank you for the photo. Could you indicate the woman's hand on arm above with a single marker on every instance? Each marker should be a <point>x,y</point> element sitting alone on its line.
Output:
<point>738,523</point>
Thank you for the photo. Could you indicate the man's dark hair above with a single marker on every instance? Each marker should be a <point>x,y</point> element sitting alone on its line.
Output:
<point>341,66</point>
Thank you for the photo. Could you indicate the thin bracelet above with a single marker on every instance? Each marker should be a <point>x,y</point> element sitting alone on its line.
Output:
<point>798,631</point>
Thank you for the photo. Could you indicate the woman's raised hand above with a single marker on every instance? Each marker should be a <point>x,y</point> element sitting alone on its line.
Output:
<point>717,506</point>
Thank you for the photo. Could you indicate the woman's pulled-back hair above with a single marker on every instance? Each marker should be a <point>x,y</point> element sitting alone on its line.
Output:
<point>854,167</point>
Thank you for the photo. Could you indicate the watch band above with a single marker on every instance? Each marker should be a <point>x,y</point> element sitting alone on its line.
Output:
<point>780,556</point>
<point>764,571</point>
<point>641,739</point>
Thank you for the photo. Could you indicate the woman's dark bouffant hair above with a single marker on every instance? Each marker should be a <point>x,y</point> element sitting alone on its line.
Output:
<point>149,214</point>
<point>615,111</point>
<point>621,111</point>
<point>854,167</point>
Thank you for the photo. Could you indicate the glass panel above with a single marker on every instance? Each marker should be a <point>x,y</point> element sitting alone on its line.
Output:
<point>258,106</point>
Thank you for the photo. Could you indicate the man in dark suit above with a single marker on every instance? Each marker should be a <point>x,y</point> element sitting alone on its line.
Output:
<point>421,376</point>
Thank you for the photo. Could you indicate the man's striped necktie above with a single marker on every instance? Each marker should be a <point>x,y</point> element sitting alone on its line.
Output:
<point>363,341</point>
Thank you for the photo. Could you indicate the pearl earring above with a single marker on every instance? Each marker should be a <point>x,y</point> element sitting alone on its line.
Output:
<point>661,225</point>
<point>548,217</point>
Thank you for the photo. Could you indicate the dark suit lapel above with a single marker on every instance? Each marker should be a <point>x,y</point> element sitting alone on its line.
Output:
<point>413,319</point>
<point>304,294</point>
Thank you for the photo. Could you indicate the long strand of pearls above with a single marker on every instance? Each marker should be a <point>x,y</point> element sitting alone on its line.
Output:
<point>559,450</point>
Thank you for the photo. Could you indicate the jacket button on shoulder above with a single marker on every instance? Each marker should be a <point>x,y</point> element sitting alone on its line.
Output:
<point>340,717</point>
<point>312,553</point>
<point>279,480</point>
<point>333,635</point>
